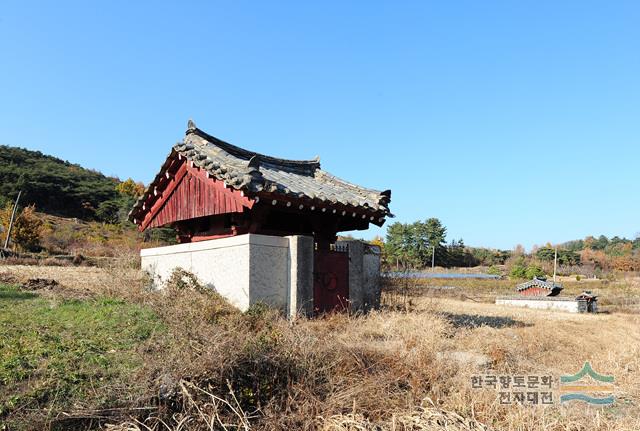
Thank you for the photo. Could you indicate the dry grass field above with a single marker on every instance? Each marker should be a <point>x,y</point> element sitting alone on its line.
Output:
<point>183,359</point>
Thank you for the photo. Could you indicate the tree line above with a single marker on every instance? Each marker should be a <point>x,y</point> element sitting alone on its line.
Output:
<point>57,187</point>
<point>416,245</point>
<point>419,244</point>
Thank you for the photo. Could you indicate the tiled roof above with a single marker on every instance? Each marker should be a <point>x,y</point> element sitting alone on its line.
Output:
<point>258,174</point>
<point>536,282</point>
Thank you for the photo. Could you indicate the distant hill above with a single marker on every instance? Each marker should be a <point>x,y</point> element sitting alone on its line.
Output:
<point>56,186</point>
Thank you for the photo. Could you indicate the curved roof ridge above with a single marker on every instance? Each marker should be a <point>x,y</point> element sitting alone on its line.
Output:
<point>256,173</point>
<point>330,176</point>
<point>248,154</point>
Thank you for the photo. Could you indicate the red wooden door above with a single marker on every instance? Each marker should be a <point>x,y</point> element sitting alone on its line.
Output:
<point>330,280</point>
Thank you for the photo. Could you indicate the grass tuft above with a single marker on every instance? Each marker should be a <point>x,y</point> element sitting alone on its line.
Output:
<point>54,351</point>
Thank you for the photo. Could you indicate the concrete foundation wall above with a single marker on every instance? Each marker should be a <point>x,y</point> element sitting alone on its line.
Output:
<point>371,280</point>
<point>300,276</point>
<point>364,275</point>
<point>570,305</point>
<point>222,265</point>
<point>245,269</point>
<point>269,271</point>
<point>278,271</point>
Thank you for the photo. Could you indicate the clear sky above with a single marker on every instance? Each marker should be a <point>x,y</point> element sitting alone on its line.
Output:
<point>511,121</point>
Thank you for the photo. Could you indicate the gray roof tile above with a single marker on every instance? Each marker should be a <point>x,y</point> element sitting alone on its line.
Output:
<point>257,173</point>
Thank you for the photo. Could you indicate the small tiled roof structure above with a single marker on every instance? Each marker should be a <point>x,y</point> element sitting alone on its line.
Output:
<point>587,302</point>
<point>540,284</point>
<point>261,178</point>
<point>587,296</point>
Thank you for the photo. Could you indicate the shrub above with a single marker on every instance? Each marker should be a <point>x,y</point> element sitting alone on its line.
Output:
<point>181,279</point>
<point>263,371</point>
<point>185,292</point>
<point>518,271</point>
<point>533,271</point>
<point>494,270</point>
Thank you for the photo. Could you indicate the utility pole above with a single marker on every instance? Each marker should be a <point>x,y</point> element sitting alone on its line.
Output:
<point>555,264</point>
<point>13,216</point>
<point>433,258</point>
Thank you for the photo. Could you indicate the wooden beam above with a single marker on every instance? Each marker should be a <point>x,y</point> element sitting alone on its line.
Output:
<point>206,196</point>
<point>167,193</point>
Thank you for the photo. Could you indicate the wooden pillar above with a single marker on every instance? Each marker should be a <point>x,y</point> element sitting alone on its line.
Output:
<point>324,239</point>
<point>324,242</point>
<point>324,232</point>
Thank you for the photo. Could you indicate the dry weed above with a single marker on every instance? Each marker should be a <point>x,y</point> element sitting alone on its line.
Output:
<point>217,368</point>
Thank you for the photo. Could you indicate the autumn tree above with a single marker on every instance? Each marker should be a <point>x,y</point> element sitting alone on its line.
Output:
<point>27,227</point>
<point>130,188</point>
<point>116,210</point>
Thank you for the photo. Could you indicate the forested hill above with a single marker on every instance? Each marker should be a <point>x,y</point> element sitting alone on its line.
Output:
<point>57,187</point>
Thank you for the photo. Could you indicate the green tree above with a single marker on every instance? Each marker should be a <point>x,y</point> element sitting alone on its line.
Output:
<point>435,232</point>
<point>430,235</point>
<point>53,185</point>
<point>107,211</point>
<point>546,254</point>
<point>458,255</point>
<point>400,245</point>
<point>601,243</point>
<point>533,271</point>
<point>412,244</point>
<point>116,210</point>
<point>518,270</point>
<point>486,256</point>
<point>568,257</point>
<point>565,257</point>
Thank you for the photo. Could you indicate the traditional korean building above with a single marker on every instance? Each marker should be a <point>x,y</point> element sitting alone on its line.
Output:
<point>209,189</point>
<point>539,287</point>
<point>542,294</point>
<point>219,196</point>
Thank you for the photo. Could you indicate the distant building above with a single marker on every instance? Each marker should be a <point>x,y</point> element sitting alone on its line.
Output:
<point>587,302</point>
<point>262,229</point>
<point>542,294</point>
<point>539,286</point>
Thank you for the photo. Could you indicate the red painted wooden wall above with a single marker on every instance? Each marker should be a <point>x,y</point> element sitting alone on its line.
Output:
<point>192,194</point>
<point>535,291</point>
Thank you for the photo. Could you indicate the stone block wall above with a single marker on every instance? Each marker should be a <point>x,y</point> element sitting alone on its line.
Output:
<point>245,269</point>
<point>278,271</point>
<point>544,303</point>
<point>364,275</point>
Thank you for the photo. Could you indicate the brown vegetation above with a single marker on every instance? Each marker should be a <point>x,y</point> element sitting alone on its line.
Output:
<point>26,229</point>
<point>406,367</point>
<point>51,239</point>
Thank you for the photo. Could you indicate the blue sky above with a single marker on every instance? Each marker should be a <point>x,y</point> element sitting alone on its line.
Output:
<point>512,122</point>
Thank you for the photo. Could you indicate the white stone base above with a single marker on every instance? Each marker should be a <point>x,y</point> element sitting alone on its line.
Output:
<point>245,269</point>
<point>278,271</point>
<point>563,304</point>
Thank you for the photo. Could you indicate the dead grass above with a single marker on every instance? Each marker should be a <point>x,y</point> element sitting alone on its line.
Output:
<point>617,295</point>
<point>401,368</point>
